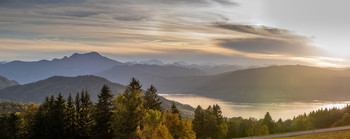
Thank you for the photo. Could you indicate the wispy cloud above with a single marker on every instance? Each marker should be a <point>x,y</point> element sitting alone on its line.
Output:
<point>159,28</point>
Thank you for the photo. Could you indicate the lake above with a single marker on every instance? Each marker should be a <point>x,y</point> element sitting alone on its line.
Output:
<point>285,110</point>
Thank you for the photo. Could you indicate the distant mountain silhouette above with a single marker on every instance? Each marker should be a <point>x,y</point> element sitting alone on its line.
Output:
<point>148,72</point>
<point>268,84</point>
<point>4,82</point>
<point>215,69</point>
<point>147,62</point>
<point>37,91</point>
<point>77,64</point>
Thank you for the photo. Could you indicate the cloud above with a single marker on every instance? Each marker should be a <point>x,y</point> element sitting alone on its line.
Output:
<point>226,2</point>
<point>260,30</point>
<point>270,46</point>
<point>268,40</point>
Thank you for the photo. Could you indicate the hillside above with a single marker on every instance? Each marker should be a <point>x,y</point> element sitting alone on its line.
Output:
<point>268,84</point>
<point>37,91</point>
<point>77,64</point>
<point>147,74</point>
<point>4,82</point>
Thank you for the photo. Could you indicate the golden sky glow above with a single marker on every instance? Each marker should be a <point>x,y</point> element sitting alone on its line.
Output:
<point>184,30</point>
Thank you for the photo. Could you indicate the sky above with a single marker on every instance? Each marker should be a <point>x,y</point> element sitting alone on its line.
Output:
<point>235,32</point>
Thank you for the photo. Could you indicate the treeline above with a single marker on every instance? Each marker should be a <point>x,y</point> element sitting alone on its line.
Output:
<point>322,118</point>
<point>137,115</point>
<point>131,114</point>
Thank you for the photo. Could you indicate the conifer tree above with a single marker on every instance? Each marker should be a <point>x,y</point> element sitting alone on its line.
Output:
<point>49,120</point>
<point>269,122</point>
<point>209,123</point>
<point>58,114</point>
<point>84,115</point>
<point>174,110</point>
<point>152,100</point>
<point>218,114</point>
<point>71,118</point>
<point>128,111</point>
<point>198,121</point>
<point>103,114</point>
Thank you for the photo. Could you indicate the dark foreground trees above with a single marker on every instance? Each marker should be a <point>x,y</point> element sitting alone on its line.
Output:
<point>130,115</point>
<point>103,114</point>
<point>209,123</point>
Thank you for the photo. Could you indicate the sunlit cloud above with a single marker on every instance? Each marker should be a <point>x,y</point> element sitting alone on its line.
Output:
<point>196,28</point>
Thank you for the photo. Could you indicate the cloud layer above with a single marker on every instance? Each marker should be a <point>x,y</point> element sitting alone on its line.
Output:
<point>192,29</point>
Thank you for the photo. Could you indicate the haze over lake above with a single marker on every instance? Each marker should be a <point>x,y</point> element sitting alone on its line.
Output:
<point>284,110</point>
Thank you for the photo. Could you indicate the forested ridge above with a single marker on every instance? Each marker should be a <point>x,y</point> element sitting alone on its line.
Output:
<point>134,114</point>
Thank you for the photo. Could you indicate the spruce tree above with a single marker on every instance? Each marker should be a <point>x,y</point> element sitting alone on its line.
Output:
<point>134,84</point>
<point>269,122</point>
<point>175,110</point>
<point>103,114</point>
<point>198,122</point>
<point>129,111</point>
<point>58,114</point>
<point>218,114</point>
<point>49,120</point>
<point>71,118</point>
<point>84,115</point>
<point>152,100</point>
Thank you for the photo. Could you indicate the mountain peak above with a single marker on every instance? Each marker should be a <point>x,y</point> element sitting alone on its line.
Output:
<point>90,54</point>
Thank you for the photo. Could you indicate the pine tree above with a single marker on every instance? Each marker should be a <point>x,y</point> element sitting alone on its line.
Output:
<point>209,123</point>
<point>152,100</point>
<point>128,111</point>
<point>103,114</point>
<point>198,121</point>
<point>58,113</point>
<point>84,115</point>
<point>175,110</point>
<point>49,120</point>
<point>218,114</point>
<point>134,84</point>
<point>42,125</point>
<point>71,118</point>
<point>269,122</point>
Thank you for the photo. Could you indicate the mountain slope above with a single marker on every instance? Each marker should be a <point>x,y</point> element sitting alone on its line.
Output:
<point>77,64</point>
<point>269,84</point>
<point>4,82</point>
<point>37,91</point>
<point>147,74</point>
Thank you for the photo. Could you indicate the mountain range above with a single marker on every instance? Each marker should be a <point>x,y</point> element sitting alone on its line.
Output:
<point>77,64</point>
<point>147,74</point>
<point>267,84</point>
<point>260,84</point>
<point>94,64</point>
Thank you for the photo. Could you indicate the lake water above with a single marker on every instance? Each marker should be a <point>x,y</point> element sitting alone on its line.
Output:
<point>285,110</point>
